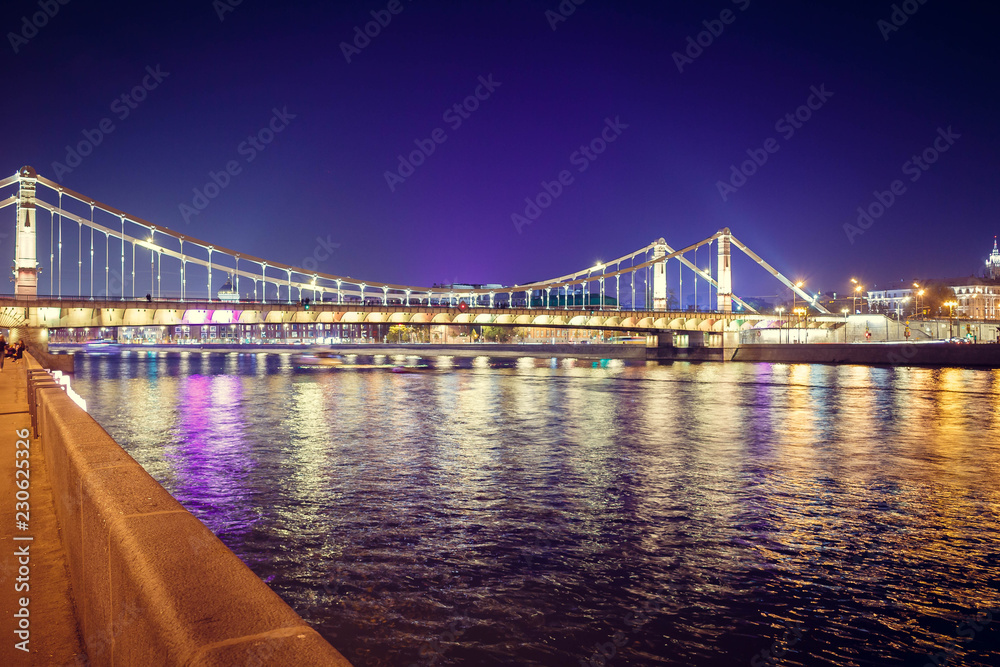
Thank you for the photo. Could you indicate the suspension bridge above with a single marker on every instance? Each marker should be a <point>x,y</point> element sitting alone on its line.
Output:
<point>99,277</point>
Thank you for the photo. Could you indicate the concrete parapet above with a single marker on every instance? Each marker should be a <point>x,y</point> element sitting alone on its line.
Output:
<point>152,584</point>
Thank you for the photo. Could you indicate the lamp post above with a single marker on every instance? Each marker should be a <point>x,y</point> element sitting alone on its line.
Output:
<point>780,310</point>
<point>798,285</point>
<point>951,311</point>
<point>845,311</point>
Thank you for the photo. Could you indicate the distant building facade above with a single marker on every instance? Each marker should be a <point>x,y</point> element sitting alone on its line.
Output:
<point>993,263</point>
<point>978,300</point>
<point>895,298</point>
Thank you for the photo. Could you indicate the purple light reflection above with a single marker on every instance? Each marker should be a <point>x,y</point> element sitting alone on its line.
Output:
<point>212,461</point>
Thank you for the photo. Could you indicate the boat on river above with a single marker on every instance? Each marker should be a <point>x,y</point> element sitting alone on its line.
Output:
<point>102,347</point>
<point>317,357</point>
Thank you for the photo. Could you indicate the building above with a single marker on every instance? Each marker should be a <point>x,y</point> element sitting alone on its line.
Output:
<point>978,299</point>
<point>993,263</point>
<point>227,292</point>
<point>896,298</point>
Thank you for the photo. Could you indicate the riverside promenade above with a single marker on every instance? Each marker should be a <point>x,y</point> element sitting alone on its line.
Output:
<point>104,567</point>
<point>53,635</point>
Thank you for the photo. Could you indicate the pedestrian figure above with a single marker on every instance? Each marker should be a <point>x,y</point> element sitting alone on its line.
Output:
<point>3,350</point>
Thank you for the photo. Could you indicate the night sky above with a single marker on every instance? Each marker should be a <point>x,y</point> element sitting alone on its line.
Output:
<point>681,115</point>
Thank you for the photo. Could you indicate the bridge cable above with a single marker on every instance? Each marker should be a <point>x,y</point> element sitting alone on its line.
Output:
<point>91,250</point>
<point>123,257</point>
<point>52,253</point>
<point>60,244</point>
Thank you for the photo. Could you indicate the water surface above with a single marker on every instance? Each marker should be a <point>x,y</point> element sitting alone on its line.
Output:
<point>547,513</point>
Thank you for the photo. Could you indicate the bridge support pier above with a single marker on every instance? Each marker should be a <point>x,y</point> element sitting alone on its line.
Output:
<point>659,276</point>
<point>724,293</point>
<point>35,337</point>
<point>25,262</point>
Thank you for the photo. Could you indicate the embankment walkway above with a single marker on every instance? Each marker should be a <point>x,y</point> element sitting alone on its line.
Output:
<point>53,635</point>
<point>119,572</point>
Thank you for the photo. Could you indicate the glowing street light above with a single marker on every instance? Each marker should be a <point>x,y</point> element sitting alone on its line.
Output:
<point>951,311</point>
<point>916,299</point>
<point>857,293</point>
<point>798,285</point>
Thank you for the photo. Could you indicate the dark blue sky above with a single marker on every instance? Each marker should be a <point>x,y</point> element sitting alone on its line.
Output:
<point>324,174</point>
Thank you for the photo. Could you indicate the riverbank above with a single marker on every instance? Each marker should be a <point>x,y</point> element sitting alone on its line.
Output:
<point>874,354</point>
<point>140,576</point>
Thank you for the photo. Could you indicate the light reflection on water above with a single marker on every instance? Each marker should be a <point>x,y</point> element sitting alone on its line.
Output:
<point>533,510</point>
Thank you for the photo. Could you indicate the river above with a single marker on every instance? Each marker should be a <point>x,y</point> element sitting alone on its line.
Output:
<point>535,512</point>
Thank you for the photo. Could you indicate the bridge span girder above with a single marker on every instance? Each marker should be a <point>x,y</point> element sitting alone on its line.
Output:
<point>64,314</point>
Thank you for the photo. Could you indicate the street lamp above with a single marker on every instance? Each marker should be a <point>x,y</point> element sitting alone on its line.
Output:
<point>845,311</point>
<point>780,310</point>
<point>951,311</point>
<point>899,308</point>
<point>798,285</point>
<point>857,294</point>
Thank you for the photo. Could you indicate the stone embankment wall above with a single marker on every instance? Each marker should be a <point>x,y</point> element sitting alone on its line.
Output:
<point>151,584</point>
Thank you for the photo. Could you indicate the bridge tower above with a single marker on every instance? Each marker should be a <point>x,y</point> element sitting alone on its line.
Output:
<point>25,260</point>
<point>725,272</point>
<point>660,275</point>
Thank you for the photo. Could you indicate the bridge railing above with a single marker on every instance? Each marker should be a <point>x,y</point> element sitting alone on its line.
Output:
<point>367,303</point>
